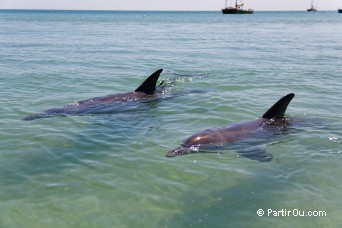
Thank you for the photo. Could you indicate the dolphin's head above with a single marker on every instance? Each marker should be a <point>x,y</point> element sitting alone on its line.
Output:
<point>182,150</point>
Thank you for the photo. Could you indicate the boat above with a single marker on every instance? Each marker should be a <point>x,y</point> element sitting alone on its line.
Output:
<point>339,10</point>
<point>238,9</point>
<point>312,8</point>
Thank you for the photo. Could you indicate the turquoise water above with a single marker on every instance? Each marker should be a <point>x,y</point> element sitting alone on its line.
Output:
<point>110,169</point>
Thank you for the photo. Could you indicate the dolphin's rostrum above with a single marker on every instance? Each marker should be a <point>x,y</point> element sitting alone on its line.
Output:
<point>223,136</point>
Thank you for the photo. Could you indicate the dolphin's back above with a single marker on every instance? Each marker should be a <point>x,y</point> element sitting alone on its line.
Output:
<point>144,91</point>
<point>224,135</point>
<point>231,133</point>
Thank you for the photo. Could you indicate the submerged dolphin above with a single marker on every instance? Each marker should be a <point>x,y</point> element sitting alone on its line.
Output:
<point>228,134</point>
<point>145,92</point>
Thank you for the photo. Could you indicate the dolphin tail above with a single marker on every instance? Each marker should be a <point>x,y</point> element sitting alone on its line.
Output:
<point>48,113</point>
<point>35,116</point>
<point>279,108</point>
<point>149,85</point>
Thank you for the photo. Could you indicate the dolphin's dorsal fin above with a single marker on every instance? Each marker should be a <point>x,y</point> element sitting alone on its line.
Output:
<point>279,108</point>
<point>149,85</point>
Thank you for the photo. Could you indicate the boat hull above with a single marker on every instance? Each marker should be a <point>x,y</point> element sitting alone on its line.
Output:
<point>339,10</point>
<point>236,11</point>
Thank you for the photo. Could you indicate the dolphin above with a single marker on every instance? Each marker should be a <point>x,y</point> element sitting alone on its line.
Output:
<point>145,92</point>
<point>223,136</point>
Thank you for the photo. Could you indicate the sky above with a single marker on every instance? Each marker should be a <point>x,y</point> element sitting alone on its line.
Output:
<point>203,5</point>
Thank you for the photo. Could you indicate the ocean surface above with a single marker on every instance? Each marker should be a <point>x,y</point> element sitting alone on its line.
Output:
<point>109,169</point>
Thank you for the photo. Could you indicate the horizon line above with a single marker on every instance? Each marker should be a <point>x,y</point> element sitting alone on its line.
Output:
<point>161,10</point>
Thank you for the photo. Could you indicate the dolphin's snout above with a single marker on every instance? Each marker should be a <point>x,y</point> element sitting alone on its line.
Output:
<point>181,151</point>
<point>171,154</point>
<point>175,152</point>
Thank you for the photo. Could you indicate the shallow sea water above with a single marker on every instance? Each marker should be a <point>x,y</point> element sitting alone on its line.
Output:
<point>110,169</point>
